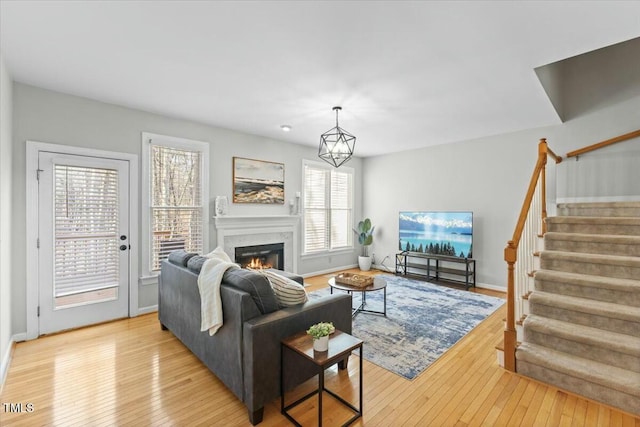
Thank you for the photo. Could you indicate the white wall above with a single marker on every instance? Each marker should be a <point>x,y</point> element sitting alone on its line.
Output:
<point>6,108</point>
<point>488,176</point>
<point>46,116</point>
<point>611,173</point>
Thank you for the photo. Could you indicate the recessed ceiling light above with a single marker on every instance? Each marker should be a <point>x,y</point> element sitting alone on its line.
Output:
<point>285,128</point>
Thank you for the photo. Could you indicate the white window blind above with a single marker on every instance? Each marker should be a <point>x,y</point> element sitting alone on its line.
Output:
<point>86,230</point>
<point>328,206</point>
<point>176,202</point>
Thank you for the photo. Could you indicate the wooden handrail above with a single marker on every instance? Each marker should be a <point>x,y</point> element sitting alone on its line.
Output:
<point>511,251</point>
<point>626,136</point>
<point>553,155</point>
<point>540,164</point>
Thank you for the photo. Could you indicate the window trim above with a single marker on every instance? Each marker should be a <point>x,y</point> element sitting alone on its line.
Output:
<point>342,249</point>
<point>148,277</point>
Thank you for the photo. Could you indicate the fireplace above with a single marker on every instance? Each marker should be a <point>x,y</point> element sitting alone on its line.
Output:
<point>238,231</point>
<point>261,256</point>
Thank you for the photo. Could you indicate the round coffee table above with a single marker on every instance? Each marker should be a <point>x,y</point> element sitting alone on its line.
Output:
<point>379,283</point>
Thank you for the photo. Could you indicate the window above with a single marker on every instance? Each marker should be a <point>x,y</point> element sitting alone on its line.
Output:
<point>327,208</point>
<point>176,197</point>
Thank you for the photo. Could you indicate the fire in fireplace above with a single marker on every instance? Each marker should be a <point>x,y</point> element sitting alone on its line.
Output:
<point>261,256</point>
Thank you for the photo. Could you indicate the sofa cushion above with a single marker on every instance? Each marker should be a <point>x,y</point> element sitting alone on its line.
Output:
<point>287,291</point>
<point>195,263</point>
<point>256,285</point>
<point>180,257</point>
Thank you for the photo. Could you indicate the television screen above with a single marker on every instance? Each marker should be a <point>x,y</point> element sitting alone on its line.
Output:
<point>437,233</point>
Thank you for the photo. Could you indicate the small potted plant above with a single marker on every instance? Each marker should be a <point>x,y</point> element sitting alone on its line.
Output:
<point>365,238</point>
<point>320,333</point>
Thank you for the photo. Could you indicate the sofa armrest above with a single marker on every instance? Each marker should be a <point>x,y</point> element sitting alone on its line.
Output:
<point>261,344</point>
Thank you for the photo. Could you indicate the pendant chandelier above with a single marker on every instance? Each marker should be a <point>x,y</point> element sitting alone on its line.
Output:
<point>336,144</point>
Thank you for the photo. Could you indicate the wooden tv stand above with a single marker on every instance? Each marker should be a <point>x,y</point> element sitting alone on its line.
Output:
<point>439,268</point>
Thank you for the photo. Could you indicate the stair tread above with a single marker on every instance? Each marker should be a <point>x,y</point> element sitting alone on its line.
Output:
<point>632,261</point>
<point>612,377</point>
<point>584,305</point>
<point>619,220</point>
<point>621,204</point>
<point>629,285</point>
<point>621,343</point>
<point>599,238</point>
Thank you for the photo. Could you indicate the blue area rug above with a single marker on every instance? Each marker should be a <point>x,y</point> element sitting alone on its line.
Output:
<point>423,321</point>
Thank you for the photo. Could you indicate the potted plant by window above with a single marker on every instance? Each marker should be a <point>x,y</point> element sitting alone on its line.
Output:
<point>320,333</point>
<point>365,238</point>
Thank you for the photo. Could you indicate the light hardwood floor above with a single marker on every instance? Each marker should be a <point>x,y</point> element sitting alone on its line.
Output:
<point>129,372</point>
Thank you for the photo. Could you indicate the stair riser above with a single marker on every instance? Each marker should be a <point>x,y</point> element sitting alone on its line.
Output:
<point>591,268</point>
<point>588,351</point>
<point>592,247</point>
<point>633,211</point>
<point>593,293</point>
<point>579,386</point>
<point>594,320</point>
<point>594,228</point>
<point>567,356</point>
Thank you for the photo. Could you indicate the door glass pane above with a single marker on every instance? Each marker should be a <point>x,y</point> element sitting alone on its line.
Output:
<point>86,236</point>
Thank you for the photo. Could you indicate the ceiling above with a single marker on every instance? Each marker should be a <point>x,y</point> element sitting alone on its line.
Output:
<point>407,74</point>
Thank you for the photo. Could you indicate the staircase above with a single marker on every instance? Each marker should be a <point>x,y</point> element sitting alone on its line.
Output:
<point>582,333</point>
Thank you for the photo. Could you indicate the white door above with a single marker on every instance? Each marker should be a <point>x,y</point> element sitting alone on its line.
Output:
<point>83,227</point>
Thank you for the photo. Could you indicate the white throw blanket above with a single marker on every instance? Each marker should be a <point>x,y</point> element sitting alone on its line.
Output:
<point>209,285</point>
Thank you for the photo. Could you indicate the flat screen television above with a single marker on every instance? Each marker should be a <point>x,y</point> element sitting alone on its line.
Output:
<point>437,233</point>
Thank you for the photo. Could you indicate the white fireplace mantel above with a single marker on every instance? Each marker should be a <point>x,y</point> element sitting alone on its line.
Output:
<point>233,231</point>
<point>255,221</point>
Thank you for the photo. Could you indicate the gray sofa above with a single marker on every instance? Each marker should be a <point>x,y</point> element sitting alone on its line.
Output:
<point>245,352</point>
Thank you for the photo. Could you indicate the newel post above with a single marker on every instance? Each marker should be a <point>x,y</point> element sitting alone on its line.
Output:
<point>510,255</point>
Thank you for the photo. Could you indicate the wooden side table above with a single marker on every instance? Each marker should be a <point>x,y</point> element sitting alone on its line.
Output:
<point>341,344</point>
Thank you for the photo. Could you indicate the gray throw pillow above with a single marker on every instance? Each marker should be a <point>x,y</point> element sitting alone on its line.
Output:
<point>256,285</point>
<point>180,257</point>
<point>195,263</point>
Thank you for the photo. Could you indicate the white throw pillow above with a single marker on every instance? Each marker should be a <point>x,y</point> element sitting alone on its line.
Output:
<point>218,253</point>
<point>288,292</point>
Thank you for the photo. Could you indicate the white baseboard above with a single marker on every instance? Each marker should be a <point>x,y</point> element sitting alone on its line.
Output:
<point>491,287</point>
<point>19,337</point>
<point>500,357</point>
<point>331,270</point>
<point>147,310</point>
<point>382,268</point>
<point>5,362</point>
<point>478,285</point>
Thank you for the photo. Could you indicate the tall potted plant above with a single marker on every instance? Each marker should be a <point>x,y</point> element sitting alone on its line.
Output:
<point>365,238</point>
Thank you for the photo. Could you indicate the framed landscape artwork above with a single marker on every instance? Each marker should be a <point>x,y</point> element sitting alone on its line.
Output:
<point>257,181</point>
